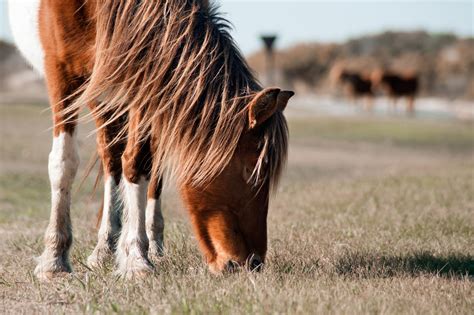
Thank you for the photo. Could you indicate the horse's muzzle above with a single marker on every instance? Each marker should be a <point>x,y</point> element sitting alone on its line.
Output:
<point>255,263</point>
<point>232,266</point>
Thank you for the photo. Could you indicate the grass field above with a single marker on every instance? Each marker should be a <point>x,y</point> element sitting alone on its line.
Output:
<point>372,216</point>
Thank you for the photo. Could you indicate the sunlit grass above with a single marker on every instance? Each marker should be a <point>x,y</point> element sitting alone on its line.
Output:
<point>351,231</point>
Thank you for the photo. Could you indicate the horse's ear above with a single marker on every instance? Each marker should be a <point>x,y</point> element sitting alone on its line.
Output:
<point>266,103</point>
<point>283,99</point>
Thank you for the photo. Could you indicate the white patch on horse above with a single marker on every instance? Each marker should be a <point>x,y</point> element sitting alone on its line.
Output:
<point>62,167</point>
<point>109,226</point>
<point>24,24</point>
<point>133,243</point>
<point>154,228</point>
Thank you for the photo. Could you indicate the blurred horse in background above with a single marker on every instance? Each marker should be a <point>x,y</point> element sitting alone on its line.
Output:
<point>356,85</point>
<point>397,85</point>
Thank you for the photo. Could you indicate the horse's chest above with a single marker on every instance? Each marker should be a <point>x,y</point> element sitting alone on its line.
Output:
<point>24,25</point>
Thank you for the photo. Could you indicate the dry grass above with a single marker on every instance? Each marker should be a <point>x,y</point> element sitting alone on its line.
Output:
<point>371,217</point>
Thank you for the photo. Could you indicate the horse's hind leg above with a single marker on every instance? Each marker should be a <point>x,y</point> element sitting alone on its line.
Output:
<point>110,148</point>
<point>62,168</point>
<point>155,223</point>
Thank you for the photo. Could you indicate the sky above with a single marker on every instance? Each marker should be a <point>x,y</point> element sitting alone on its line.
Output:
<point>330,21</point>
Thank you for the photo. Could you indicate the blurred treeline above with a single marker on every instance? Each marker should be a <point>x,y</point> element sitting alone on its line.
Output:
<point>444,62</point>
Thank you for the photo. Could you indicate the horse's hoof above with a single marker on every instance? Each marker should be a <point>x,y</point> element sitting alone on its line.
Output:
<point>48,269</point>
<point>232,267</point>
<point>155,251</point>
<point>219,268</point>
<point>49,276</point>
<point>99,258</point>
<point>255,263</point>
<point>132,274</point>
<point>138,274</point>
<point>135,268</point>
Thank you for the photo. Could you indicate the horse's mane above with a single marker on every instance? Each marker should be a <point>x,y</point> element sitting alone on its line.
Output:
<point>174,63</point>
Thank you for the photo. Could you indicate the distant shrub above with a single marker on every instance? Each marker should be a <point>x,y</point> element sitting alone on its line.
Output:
<point>444,62</point>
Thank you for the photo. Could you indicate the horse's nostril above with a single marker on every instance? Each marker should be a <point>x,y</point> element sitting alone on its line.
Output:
<point>231,266</point>
<point>256,263</point>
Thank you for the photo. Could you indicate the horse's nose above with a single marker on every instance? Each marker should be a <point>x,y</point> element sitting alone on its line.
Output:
<point>231,266</point>
<point>255,263</point>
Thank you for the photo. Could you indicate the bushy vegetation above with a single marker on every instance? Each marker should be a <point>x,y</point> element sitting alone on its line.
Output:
<point>444,62</point>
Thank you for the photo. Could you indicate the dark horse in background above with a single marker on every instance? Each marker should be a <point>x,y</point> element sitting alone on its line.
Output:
<point>396,86</point>
<point>357,86</point>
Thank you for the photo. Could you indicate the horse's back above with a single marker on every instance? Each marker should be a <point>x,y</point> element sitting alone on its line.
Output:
<point>24,21</point>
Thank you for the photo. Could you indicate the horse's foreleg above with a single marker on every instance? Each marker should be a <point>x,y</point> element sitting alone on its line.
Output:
<point>132,250</point>
<point>369,103</point>
<point>110,150</point>
<point>62,168</point>
<point>393,101</point>
<point>411,105</point>
<point>155,223</point>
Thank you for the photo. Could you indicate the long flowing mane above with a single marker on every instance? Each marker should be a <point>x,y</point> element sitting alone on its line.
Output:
<point>174,63</point>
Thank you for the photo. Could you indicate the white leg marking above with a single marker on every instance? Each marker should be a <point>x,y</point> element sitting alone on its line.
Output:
<point>109,226</point>
<point>133,244</point>
<point>155,225</point>
<point>62,167</point>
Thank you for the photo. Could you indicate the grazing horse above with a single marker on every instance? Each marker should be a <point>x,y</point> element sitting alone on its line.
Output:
<point>357,86</point>
<point>396,86</point>
<point>171,96</point>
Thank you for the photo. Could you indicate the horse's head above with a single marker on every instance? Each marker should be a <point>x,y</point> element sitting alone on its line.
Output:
<point>229,214</point>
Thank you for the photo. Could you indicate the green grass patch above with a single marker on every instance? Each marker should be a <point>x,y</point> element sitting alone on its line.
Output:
<point>455,136</point>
